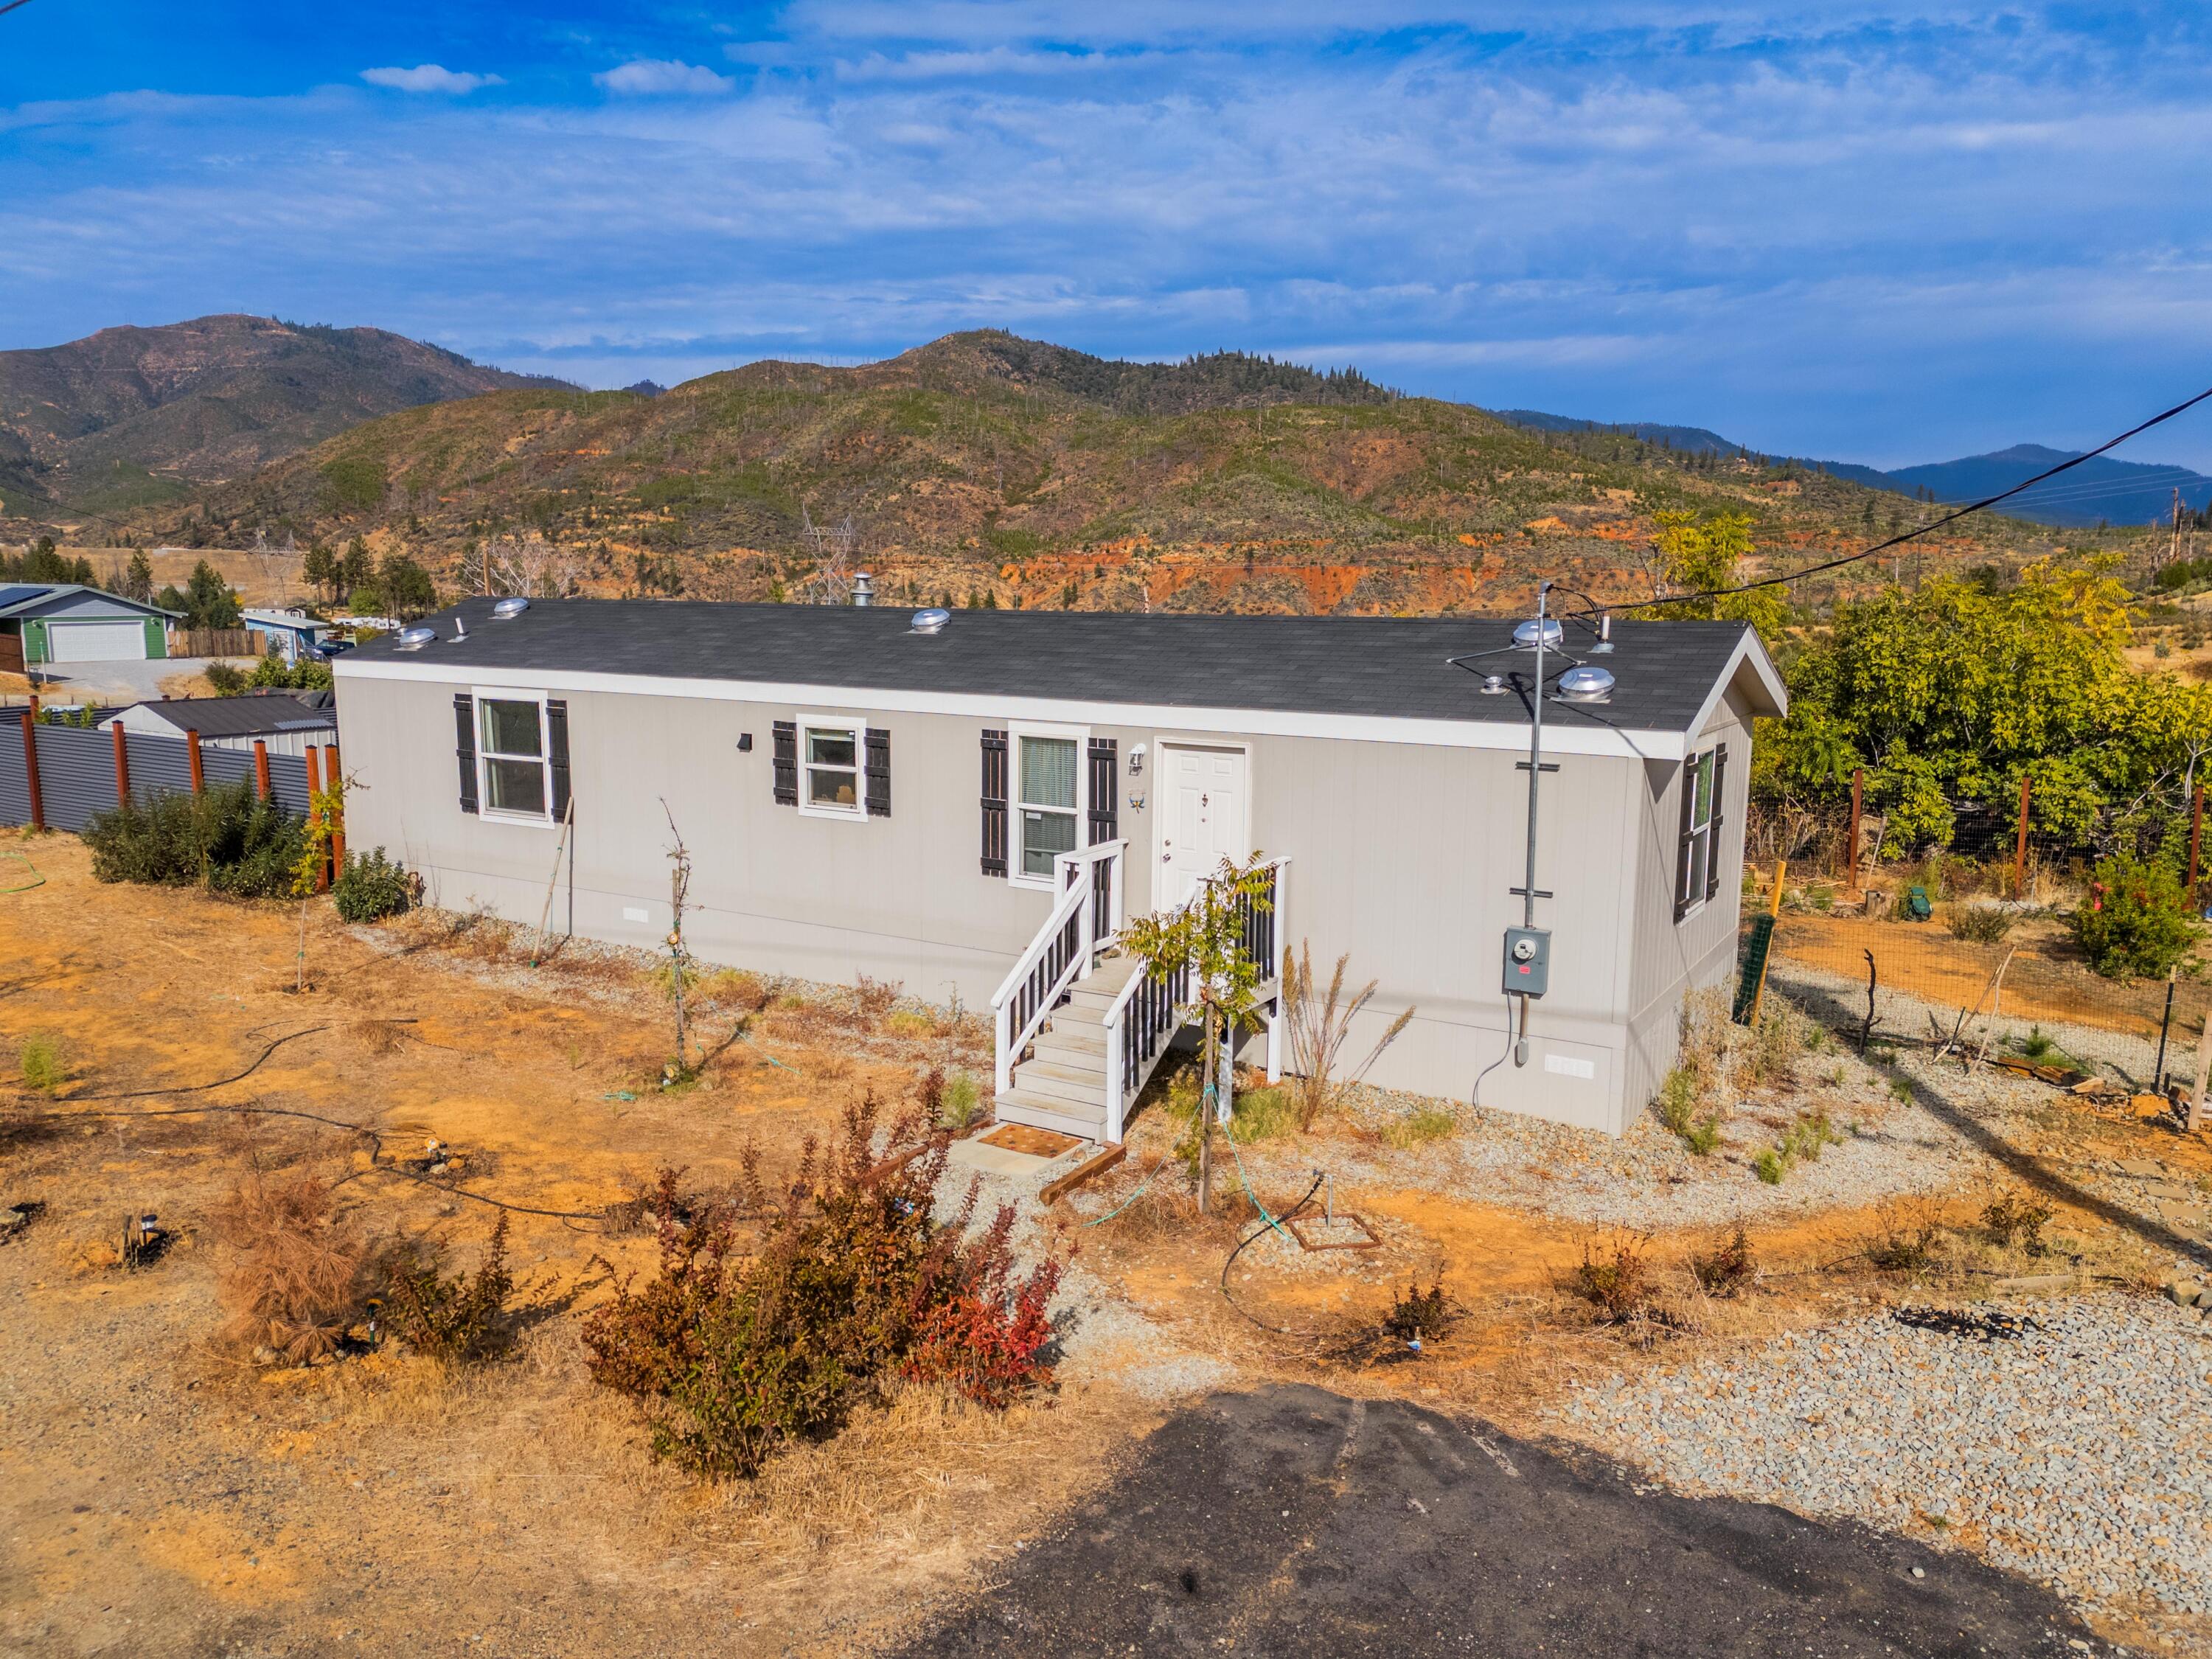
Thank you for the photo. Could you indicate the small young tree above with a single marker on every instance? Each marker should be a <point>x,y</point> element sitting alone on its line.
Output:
<point>1208,933</point>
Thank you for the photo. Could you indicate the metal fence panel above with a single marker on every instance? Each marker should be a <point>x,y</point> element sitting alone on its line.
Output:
<point>158,766</point>
<point>288,781</point>
<point>15,776</point>
<point>76,775</point>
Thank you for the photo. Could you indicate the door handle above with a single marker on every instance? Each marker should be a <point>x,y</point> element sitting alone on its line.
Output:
<point>1167,858</point>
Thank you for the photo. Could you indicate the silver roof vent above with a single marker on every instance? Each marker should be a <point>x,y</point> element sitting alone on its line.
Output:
<point>414,639</point>
<point>864,588</point>
<point>1526,634</point>
<point>930,621</point>
<point>1586,685</point>
<point>508,609</point>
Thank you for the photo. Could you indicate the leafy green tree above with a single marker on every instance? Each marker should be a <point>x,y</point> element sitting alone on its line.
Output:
<point>1697,557</point>
<point>406,587</point>
<point>357,569</point>
<point>208,601</point>
<point>2136,921</point>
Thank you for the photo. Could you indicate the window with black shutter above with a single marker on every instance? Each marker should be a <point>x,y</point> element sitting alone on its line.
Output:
<point>994,803</point>
<point>1714,844</point>
<point>464,734</point>
<point>557,753</point>
<point>1697,860</point>
<point>786,763</point>
<point>1105,791</point>
<point>880,773</point>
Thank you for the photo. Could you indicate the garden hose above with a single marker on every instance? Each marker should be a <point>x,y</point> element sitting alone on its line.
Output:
<point>36,880</point>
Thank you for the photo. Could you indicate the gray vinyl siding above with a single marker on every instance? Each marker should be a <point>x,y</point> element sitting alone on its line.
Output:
<point>1401,854</point>
<point>1671,959</point>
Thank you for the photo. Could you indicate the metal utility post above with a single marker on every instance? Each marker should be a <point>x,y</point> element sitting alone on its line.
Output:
<point>1535,769</point>
<point>1851,847</point>
<point>2019,848</point>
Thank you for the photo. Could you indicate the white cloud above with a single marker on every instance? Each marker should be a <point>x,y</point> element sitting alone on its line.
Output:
<point>654,76</point>
<point>429,77</point>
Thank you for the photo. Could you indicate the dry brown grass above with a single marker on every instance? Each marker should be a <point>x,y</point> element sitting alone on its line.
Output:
<point>378,1036</point>
<point>296,1275</point>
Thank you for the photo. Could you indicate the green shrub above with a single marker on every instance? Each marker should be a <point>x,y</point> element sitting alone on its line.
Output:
<point>308,674</point>
<point>1981,924</point>
<point>1702,1136</point>
<point>227,840</point>
<point>372,887</point>
<point>227,678</point>
<point>2135,922</point>
<point>961,1103</point>
<point>1771,1165</point>
<point>1421,1125</point>
<point>1727,1267</point>
<point>453,1319</point>
<point>1678,1102</point>
<point>44,1069</point>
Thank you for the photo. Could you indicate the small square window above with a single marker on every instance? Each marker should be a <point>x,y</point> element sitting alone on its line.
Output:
<point>831,758</point>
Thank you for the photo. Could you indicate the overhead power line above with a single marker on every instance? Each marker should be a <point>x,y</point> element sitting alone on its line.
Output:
<point>1904,537</point>
<point>11,6</point>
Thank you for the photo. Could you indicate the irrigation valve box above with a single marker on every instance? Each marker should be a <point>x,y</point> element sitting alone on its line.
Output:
<point>1527,961</point>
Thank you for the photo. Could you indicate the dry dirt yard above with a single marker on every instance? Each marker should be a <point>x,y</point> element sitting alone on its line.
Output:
<point>161,1494</point>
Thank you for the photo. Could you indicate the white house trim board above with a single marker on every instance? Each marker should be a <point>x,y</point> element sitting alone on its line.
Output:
<point>1748,651</point>
<point>1560,739</point>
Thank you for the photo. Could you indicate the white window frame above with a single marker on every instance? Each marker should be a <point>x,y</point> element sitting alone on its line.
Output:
<point>485,756</point>
<point>858,730</point>
<point>1690,876</point>
<point>1016,731</point>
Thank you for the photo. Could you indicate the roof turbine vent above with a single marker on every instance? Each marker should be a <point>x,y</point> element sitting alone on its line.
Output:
<point>1586,685</point>
<point>414,639</point>
<point>507,610</point>
<point>930,621</point>
<point>1528,634</point>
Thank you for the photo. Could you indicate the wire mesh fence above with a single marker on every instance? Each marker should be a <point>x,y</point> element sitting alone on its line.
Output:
<point>1913,955</point>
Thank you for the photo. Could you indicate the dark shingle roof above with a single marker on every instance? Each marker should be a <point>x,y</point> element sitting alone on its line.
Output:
<point>1392,666</point>
<point>242,717</point>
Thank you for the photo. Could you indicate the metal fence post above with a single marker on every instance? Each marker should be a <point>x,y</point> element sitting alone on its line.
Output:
<point>192,755</point>
<point>2019,848</point>
<point>31,766</point>
<point>337,816</point>
<point>122,766</point>
<point>1851,847</point>
<point>315,810</point>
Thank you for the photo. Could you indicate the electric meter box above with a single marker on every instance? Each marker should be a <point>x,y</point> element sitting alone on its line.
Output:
<point>1527,961</point>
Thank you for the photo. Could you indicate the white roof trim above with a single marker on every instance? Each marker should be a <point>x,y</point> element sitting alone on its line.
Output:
<point>1565,734</point>
<point>1749,651</point>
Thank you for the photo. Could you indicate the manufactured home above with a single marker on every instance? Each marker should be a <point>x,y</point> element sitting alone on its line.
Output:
<point>973,804</point>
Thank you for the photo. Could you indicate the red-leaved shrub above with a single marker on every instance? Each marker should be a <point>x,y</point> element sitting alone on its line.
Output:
<point>778,1308</point>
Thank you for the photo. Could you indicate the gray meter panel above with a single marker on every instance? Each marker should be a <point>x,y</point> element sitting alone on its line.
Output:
<point>1527,961</point>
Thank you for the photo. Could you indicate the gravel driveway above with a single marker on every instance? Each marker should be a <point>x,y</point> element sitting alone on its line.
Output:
<point>2076,1452</point>
<point>1292,1520</point>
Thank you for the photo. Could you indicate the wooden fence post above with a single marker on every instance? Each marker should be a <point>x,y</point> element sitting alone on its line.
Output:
<point>31,768</point>
<point>261,769</point>
<point>2195,835</point>
<point>1851,847</point>
<point>315,810</point>
<point>192,755</point>
<point>2019,848</point>
<point>122,766</point>
<point>337,818</point>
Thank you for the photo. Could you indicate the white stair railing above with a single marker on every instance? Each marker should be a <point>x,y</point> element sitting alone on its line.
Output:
<point>1146,1014</point>
<point>1086,915</point>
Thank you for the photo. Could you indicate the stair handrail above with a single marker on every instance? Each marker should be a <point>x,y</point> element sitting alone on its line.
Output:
<point>1057,956</point>
<point>1117,1010</point>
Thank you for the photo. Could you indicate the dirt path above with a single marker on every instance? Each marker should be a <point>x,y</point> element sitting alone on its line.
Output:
<point>1296,1521</point>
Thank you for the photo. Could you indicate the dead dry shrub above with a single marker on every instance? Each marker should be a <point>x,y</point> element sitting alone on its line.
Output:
<point>1905,1237</point>
<point>1616,1277</point>
<point>1778,1039</point>
<point>1320,1020</point>
<point>876,997</point>
<point>296,1275</point>
<point>1728,1268</point>
<point>732,989</point>
<point>775,1312</point>
<point>2016,1216</point>
<point>378,1036</point>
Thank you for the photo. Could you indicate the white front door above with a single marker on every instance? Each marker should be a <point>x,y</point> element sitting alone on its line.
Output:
<point>1205,816</point>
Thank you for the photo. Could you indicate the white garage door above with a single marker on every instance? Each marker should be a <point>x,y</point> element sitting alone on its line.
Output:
<point>97,641</point>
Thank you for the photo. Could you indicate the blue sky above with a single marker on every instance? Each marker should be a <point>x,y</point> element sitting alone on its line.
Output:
<point>1888,232</point>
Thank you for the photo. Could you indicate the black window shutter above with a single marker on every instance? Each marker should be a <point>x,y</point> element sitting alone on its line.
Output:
<point>994,803</point>
<point>1713,835</point>
<point>557,753</point>
<point>464,733</point>
<point>1682,844</point>
<point>786,764</point>
<point>1105,819</point>
<point>880,773</point>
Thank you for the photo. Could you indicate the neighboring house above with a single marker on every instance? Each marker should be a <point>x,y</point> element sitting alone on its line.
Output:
<point>969,810</point>
<point>53,626</point>
<point>288,722</point>
<point>287,634</point>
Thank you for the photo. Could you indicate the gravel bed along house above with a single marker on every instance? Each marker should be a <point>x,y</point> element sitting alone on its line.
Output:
<point>2076,1452</point>
<point>1647,1177</point>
